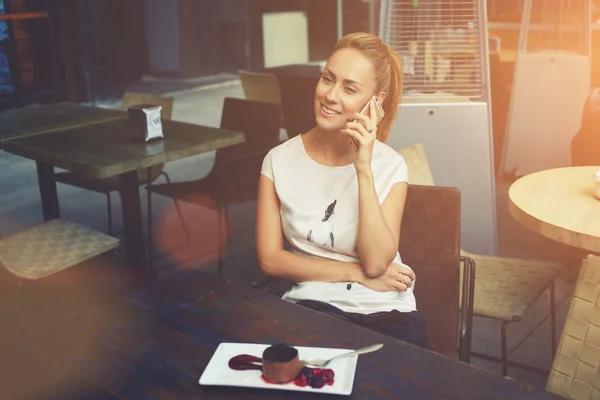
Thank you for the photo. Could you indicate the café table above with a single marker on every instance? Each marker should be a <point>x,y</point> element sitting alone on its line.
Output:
<point>50,118</point>
<point>106,149</point>
<point>156,342</point>
<point>559,204</point>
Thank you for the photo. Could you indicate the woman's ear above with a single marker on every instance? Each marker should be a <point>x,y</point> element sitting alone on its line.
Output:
<point>381,96</point>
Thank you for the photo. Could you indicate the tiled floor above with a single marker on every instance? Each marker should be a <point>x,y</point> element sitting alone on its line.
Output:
<point>528,340</point>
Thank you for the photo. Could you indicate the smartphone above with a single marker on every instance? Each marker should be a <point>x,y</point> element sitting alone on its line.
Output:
<point>379,114</point>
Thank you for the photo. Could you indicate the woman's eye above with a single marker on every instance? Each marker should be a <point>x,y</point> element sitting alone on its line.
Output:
<point>327,79</point>
<point>350,90</point>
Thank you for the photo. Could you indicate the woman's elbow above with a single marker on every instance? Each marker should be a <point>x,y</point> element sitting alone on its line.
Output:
<point>266,264</point>
<point>376,266</point>
<point>373,269</point>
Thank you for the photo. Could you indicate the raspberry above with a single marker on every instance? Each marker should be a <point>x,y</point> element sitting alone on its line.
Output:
<point>301,381</point>
<point>327,375</point>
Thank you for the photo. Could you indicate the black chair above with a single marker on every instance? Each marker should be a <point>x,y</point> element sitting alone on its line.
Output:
<point>297,83</point>
<point>234,176</point>
<point>297,102</point>
<point>295,70</point>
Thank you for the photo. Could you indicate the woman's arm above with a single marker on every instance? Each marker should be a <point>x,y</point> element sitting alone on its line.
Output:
<point>276,261</point>
<point>378,225</point>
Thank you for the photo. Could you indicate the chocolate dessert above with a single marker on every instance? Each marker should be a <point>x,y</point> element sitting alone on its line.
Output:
<point>280,363</point>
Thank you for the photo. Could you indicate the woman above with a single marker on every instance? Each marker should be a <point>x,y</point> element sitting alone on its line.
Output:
<point>340,205</point>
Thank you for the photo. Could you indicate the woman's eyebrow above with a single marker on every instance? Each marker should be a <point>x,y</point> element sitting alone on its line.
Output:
<point>346,81</point>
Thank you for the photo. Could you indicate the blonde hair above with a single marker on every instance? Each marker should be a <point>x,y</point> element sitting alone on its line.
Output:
<point>388,73</point>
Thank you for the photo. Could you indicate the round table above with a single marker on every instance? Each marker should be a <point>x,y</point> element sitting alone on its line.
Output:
<point>559,204</point>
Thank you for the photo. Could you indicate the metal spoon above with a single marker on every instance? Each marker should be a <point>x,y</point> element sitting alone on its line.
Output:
<point>319,363</point>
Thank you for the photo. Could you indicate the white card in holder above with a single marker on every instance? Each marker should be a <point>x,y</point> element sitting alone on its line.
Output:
<point>146,122</point>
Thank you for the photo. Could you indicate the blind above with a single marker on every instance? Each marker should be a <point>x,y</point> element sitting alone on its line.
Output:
<point>440,44</point>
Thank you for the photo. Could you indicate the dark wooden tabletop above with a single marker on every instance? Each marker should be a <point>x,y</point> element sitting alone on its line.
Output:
<point>156,343</point>
<point>48,118</point>
<point>106,149</point>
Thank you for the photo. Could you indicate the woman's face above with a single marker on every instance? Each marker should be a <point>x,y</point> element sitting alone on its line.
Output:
<point>347,84</point>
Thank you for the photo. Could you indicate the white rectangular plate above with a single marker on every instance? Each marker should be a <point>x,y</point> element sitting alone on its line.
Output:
<point>218,373</point>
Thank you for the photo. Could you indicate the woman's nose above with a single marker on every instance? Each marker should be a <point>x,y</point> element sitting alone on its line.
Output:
<point>331,96</point>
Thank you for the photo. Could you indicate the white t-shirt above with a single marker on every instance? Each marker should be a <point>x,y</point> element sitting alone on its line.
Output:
<point>319,216</point>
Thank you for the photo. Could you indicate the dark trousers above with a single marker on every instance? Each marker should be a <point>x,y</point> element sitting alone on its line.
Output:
<point>406,326</point>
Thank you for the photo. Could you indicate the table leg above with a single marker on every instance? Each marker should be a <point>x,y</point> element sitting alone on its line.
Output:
<point>132,222</point>
<point>48,193</point>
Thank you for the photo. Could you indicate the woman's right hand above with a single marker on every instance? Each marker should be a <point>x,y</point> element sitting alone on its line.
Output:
<point>396,277</point>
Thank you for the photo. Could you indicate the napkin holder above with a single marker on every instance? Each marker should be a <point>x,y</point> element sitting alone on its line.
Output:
<point>146,122</point>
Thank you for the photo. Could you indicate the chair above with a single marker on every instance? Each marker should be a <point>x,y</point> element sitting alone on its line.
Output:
<point>30,260</point>
<point>575,372</point>
<point>297,83</point>
<point>430,244</point>
<point>145,176</point>
<point>51,247</point>
<point>234,176</point>
<point>297,102</point>
<point>505,288</point>
<point>310,70</point>
<point>260,86</point>
<point>50,274</point>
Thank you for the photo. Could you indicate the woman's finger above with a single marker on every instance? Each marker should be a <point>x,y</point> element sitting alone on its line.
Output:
<point>361,117</point>
<point>402,269</point>
<point>406,280</point>
<point>397,285</point>
<point>355,135</point>
<point>366,122</point>
<point>407,271</point>
<point>360,127</point>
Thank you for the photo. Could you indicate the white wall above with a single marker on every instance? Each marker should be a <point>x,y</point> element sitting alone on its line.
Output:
<point>548,94</point>
<point>457,140</point>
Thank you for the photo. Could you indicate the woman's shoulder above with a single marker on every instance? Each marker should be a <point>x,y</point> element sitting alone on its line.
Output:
<point>286,148</point>
<point>384,153</point>
<point>389,167</point>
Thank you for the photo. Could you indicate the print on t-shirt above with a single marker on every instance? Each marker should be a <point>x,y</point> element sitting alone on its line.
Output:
<point>323,233</point>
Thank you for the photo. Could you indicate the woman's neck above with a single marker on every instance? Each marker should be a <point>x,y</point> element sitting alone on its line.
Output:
<point>330,148</point>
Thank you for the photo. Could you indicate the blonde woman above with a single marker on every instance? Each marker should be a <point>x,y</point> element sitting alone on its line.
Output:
<point>340,204</point>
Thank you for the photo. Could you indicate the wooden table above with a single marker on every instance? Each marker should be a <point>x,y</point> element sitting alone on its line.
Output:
<point>155,344</point>
<point>105,149</point>
<point>559,204</point>
<point>49,118</point>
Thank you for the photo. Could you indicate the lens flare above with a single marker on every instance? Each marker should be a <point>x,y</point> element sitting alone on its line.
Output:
<point>200,216</point>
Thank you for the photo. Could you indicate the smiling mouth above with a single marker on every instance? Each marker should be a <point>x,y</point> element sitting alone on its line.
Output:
<point>329,111</point>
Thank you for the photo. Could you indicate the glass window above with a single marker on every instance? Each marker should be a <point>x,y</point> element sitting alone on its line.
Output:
<point>6,86</point>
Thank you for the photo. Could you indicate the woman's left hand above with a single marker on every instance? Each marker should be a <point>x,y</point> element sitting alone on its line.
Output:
<point>397,277</point>
<point>363,132</point>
